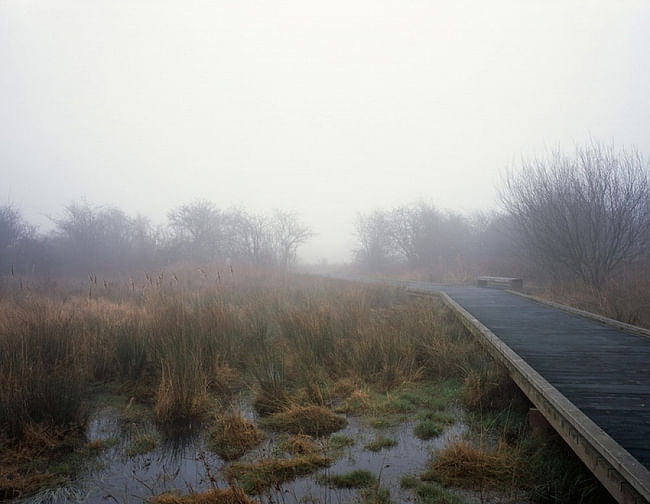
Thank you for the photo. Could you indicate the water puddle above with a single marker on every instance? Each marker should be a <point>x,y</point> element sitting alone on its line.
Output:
<point>184,464</point>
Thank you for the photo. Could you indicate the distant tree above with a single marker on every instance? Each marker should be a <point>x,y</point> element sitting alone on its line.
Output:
<point>250,238</point>
<point>583,215</point>
<point>97,239</point>
<point>14,232</point>
<point>374,249</point>
<point>288,235</point>
<point>198,231</point>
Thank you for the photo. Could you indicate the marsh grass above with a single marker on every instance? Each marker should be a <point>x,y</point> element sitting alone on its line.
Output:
<point>254,478</point>
<point>463,465</point>
<point>359,478</point>
<point>212,496</point>
<point>231,435</point>
<point>310,420</point>
<point>300,444</point>
<point>143,443</point>
<point>178,346</point>
<point>376,495</point>
<point>428,493</point>
<point>380,442</point>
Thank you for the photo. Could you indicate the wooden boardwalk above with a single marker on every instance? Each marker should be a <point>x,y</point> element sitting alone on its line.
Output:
<point>603,371</point>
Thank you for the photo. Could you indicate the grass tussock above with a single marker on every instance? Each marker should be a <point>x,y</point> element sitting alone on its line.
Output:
<point>359,478</point>
<point>488,387</point>
<point>309,420</point>
<point>256,477</point>
<point>380,442</point>
<point>300,444</point>
<point>428,493</point>
<point>230,436</point>
<point>376,495</point>
<point>213,496</point>
<point>143,443</point>
<point>465,466</point>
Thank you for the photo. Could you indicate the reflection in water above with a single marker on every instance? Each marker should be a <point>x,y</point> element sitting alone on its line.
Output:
<point>183,463</point>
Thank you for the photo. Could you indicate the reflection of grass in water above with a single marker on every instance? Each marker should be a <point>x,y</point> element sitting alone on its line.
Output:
<point>256,477</point>
<point>379,443</point>
<point>358,478</point>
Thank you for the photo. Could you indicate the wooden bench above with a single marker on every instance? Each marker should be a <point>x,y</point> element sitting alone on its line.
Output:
<point>500,283</point>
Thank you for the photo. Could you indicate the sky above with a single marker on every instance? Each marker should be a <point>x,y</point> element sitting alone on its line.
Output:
<point>327,109</point>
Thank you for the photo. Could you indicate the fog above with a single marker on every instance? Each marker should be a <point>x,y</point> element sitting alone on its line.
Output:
<point>326,109</point>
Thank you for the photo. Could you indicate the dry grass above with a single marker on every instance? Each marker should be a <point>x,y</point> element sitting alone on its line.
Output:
<point>214,496</point>
<point>463,465</point>
<point>300,444</point>
<point>309,420</point>
<point>625,297</point>
<point>256,477</point>
<point>230,436</point>
<point>179,344</point>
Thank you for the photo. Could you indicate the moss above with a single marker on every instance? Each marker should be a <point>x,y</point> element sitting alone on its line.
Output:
<point>231,436</point>
<point>380,443</point>
<point>355,479</point>
<point>310,420</point>
<point>256,477</point>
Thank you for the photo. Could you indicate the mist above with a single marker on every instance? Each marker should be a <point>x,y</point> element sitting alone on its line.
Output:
<point>325,111</point>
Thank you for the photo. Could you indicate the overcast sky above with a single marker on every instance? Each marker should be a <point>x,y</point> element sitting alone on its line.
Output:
<point>325,108</point>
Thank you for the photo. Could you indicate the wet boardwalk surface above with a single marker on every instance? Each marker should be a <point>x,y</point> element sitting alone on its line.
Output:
<point>603,371</point>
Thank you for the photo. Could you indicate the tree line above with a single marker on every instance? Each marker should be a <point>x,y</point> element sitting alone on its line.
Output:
<point>582,216</point>
<point>93,239</point>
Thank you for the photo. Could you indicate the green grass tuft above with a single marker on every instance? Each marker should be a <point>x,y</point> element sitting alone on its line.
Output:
<point>380,442</point>
<point>358,478</point>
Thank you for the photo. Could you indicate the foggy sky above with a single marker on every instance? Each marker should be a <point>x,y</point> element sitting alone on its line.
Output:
<point>323,108</point>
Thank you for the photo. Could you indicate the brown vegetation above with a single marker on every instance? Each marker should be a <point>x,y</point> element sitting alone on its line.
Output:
<point>310,420</point>
<point>213,496</point>
<point>230,436</point>
<point>256,477</point>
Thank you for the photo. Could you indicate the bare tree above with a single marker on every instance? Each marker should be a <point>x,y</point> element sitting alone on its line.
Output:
<point>585,215</point>
<point>198,231</point>
<point>288,235</point>
<point>375,248</point>
<point>13,232</point>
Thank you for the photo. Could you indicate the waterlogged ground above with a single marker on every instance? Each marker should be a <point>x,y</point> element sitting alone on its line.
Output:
<point>184,463</point>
